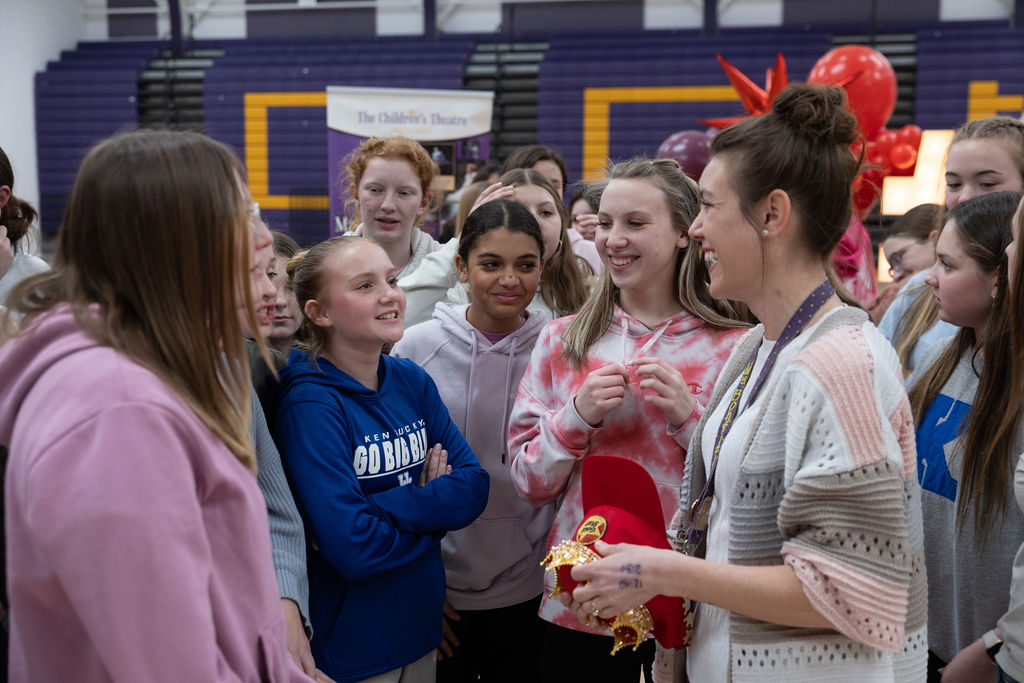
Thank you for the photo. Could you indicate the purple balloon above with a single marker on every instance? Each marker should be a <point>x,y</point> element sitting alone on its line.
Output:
<point>691,149</point>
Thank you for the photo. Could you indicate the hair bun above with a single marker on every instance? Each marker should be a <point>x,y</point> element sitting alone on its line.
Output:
<point>821,112</point>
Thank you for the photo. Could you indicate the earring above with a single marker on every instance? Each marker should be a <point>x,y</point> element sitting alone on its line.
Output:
<point>764,233</point>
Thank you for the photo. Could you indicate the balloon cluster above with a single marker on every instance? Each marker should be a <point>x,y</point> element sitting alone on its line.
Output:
<point>893,152</point>
<point>870,84</point>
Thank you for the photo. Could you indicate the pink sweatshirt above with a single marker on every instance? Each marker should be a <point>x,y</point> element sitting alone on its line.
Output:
<point>137,544</point>
<point>548,438</point>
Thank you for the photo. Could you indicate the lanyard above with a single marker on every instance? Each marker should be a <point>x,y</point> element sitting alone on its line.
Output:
<point>701,508</point>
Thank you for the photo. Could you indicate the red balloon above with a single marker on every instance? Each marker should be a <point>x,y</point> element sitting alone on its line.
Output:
<point>868,79</point>
<point>691,149</point>
<point>885,141</point>
<point>910,134</point>
<point>902,156</point>
<point>881,160</point>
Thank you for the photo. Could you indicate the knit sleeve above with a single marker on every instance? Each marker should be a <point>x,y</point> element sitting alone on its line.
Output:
<point>287,538</point>
<point>546,436</point>
<point>850,514</point>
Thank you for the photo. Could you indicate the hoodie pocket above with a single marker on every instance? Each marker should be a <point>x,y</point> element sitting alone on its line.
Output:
<point>475,557</point>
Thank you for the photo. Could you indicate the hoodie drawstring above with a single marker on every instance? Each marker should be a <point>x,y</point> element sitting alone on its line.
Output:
<point>503,437</point>
<point>646,347</point>
<point>469,387</point>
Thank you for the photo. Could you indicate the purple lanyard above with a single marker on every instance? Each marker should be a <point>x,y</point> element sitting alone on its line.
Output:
<point>701,508</point>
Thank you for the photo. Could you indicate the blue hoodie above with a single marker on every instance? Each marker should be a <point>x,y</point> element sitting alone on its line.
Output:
<point>354,457</point>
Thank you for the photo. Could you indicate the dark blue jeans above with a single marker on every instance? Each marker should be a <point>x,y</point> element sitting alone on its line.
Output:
<point>1003,677</point>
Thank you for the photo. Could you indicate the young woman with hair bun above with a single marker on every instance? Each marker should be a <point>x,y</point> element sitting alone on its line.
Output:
<point>804,549</point>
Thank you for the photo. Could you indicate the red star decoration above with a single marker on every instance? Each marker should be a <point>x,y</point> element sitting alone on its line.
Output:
<point>756,100</point>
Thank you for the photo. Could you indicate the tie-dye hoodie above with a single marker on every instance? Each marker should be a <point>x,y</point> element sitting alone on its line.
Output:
<point>548,439</point>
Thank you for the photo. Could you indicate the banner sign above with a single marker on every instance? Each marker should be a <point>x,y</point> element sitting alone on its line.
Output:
<point>453,125</point>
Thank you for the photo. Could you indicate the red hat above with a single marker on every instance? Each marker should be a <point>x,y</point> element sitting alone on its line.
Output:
<point>621,505</point>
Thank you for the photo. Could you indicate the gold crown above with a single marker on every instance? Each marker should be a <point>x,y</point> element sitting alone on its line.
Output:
<point>629,628</point>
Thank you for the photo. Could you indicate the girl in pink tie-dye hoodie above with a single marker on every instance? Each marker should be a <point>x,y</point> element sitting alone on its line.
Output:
<point>619,378</point>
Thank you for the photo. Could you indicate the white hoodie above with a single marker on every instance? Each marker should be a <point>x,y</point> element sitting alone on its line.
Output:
<point>494,562</point>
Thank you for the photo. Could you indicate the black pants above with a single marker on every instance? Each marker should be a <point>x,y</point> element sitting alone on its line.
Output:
<point>496,645</point>
<point>570,655</point>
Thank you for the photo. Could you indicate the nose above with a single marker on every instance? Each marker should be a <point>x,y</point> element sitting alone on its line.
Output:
<point>508,278</point>
<point>267,289</point>
<point>930,279</point>
<point>696,230</point>
<point>968,192</point>
<point>616,236</point>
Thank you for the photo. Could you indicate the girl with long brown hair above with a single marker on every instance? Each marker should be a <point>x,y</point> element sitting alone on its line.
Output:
<point>136,533</point>
<point>969,438</point>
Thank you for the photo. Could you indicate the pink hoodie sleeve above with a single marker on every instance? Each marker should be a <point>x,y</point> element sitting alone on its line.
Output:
<point>113,508</point>
<point>546,436</point>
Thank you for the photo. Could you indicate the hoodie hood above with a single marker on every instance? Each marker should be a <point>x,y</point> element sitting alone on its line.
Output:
<point>24,359</point>
<point>676,326</point>
<point>452,318</point>
<point>498,366</point>
<point>422,244</point>
<point>301,370</point>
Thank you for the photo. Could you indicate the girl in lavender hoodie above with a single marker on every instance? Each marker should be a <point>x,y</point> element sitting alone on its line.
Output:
<point>477,353</point>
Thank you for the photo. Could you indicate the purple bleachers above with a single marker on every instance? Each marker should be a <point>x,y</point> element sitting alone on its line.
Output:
<point>571,66</point>
<point>949,58</point>
<point>76,106</point>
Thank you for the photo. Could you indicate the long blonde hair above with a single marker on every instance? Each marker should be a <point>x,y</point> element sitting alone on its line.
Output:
<point>692,291</point>
<point>153,259</point>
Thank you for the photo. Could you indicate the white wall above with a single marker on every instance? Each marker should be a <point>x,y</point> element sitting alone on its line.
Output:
<point>958,10</point>
<point>33,33</point>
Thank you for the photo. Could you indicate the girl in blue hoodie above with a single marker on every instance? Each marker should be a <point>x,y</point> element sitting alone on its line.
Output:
<point>477,353</point>
<point>356,427</point>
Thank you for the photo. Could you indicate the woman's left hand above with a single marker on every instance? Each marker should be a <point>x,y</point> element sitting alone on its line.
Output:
<point>620,581</point>
<point>668,389</point>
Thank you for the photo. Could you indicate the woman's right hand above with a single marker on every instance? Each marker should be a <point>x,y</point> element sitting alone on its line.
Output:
<point>602,391</point>
<point>491,192</point>
<point>434,465</point>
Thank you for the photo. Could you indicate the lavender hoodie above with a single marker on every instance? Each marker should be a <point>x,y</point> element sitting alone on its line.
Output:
<point>137,544</point>
<point>494,562</point>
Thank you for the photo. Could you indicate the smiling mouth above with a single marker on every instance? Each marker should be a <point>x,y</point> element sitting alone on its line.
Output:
<point>620,261</point>
<point>710,258</point>
<point>388,316</point>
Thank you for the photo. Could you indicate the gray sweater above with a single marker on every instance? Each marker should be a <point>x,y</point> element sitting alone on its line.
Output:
<point>287,538</point>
